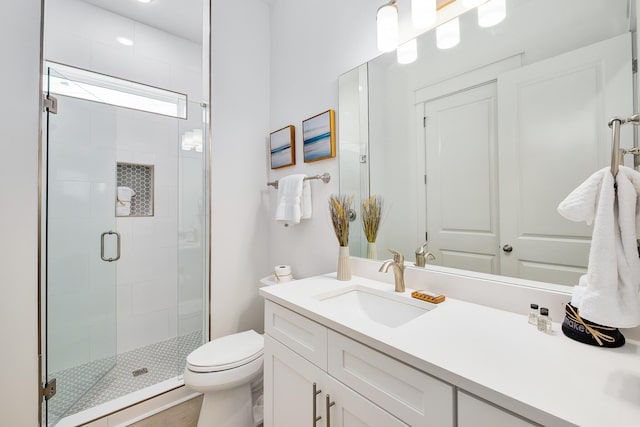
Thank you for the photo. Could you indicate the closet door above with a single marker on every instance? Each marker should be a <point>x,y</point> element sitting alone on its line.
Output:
<point>544,153</point>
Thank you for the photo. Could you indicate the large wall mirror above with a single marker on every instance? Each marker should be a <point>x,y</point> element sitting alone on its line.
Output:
<point>472,148</point>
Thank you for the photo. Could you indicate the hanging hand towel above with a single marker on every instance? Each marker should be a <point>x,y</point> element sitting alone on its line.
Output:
<point>289,207</point>
<point>609,293</point>
<point>306,209</point>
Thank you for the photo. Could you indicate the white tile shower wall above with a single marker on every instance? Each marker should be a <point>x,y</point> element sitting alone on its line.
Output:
<point>307,57</point>
<point>84,36</point>
<point>147,273</point>
<point>80,193</point>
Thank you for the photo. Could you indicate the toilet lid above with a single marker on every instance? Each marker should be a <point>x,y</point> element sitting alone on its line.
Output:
<point>226,352</point>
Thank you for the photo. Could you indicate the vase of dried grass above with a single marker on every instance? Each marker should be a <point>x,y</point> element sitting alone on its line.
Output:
<point>372,252</point>
<point>344,264</point>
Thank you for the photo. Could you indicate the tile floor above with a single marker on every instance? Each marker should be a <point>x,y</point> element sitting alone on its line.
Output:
<point>162,361</point>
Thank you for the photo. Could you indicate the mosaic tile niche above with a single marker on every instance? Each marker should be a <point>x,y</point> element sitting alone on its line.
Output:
<point>140,179</point>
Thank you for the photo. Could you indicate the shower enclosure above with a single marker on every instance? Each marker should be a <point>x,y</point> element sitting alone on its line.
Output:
<point>124,291</point>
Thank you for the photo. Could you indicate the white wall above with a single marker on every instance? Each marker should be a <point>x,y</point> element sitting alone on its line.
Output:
<point>19,117</point>
<point>313,42</point>
<point>240,125</point>
<point>84,36</point>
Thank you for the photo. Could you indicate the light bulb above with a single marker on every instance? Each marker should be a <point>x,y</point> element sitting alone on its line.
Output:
<point>448,34</point>
<point>423,13</point>
<point>124,41</point>
<point>407,52</point>
<point>469,4</point>
<point>387,20</point>
<point>492,13</point>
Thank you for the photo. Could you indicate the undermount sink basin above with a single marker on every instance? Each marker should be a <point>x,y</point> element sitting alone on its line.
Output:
<point>380,307</point>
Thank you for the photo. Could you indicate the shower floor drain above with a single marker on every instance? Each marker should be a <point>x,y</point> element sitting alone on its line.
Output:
<point>139,372</point>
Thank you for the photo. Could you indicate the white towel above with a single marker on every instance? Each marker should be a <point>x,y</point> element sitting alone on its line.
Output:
<point>306,200</point>
<point>609,294</point>
<point>125,194</point>
<point>294,199</point>
<point>123,208</point>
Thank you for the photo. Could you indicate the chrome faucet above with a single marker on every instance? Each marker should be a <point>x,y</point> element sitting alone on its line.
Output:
<point>422,256</point>
<point>397,263</point>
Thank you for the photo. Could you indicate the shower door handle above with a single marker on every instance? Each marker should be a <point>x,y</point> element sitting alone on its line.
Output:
<point>117,246</point>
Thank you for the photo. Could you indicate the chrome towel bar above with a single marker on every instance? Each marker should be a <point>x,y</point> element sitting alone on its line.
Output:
<point>616,153</point>
<point>325,177</point>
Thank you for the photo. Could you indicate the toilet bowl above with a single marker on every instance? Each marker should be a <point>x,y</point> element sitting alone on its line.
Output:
<point>224,371</point>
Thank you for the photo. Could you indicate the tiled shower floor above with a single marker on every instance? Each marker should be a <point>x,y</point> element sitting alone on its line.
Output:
<point>162,360</point>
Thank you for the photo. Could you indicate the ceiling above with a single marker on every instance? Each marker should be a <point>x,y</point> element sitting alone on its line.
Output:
<point>182,18</point>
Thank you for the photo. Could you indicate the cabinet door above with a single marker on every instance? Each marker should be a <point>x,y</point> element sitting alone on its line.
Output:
<point>350,409</point>
<point>289,399</point>
<point>414,397</point>
<point>473,412</point>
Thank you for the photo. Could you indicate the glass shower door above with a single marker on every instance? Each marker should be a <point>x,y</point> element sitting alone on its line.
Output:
<point>81,247</point>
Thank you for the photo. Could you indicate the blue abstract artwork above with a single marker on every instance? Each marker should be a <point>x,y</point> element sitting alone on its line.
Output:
<point>283,150</point>
<point>318,135</point>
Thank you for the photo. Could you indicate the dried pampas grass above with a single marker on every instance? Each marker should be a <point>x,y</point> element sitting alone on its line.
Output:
<point>339,206</point>
<point>371,211</point>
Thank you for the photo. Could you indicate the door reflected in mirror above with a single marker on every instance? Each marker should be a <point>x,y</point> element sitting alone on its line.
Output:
<point>473,148</point>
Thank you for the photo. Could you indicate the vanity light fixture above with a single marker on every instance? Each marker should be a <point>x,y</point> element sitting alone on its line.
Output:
<point>492,13</point>
<point>470,4</point>
<point>423,13</point>
<point>387,26</point>
<point>144,1</point>
<point>407,52</point>
<point>448,34</point>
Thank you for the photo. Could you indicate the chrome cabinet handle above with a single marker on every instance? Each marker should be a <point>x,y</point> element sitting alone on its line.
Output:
<point>329,405</point>
<point>117,247</point>
<point>316,417</point>
<point>507,248</point>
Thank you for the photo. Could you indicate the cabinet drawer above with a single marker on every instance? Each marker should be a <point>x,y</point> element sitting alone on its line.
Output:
<point>414,397</point>
<point>304,336</point>
<point>474,412</point>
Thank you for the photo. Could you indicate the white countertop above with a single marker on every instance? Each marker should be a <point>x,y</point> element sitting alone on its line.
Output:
<point>493,354</point>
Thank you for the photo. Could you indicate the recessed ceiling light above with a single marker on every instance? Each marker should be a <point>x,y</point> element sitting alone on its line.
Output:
<point>144,1</point>
<point>124,41</point>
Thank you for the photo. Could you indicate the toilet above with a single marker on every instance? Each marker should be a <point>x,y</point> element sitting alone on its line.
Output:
<point>228,371</point>
<point>224,370</point>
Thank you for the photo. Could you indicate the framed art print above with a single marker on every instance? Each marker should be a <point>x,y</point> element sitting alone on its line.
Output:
<point>319,136</point>
<point>283,147</point>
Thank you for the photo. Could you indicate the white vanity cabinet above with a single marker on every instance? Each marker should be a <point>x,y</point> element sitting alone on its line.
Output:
<point>353,382</point>
<point>298,393</point>
<point>473,412</point>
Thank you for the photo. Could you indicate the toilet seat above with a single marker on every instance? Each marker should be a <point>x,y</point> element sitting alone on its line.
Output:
<point>228,352</point>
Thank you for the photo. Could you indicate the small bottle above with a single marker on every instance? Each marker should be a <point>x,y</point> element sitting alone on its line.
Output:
<point>533,314</point>
<point>544,321</point>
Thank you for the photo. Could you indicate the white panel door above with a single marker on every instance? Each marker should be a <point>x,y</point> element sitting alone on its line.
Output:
<point>461,180</point>
<point>553,134</point>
